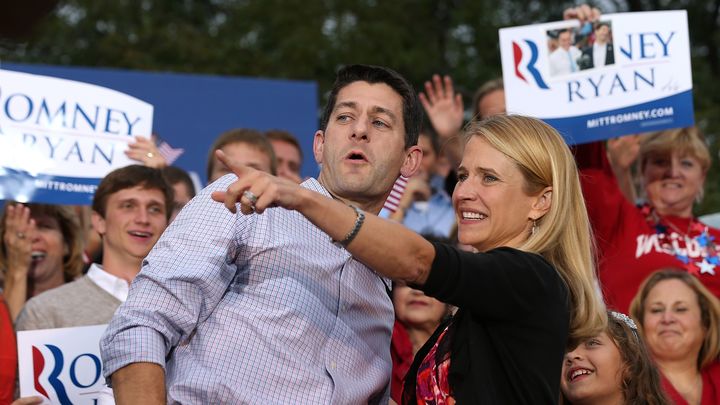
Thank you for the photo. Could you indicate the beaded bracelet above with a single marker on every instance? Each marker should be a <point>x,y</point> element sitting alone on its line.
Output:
<point>353,232</point>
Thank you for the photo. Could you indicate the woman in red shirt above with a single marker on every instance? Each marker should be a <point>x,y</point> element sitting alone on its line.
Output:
<point>8,355</point>
<point>680,322</point>
<point>633,241</point>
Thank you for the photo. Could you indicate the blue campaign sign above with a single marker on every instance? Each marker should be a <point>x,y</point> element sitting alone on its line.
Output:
<point>190,110</point>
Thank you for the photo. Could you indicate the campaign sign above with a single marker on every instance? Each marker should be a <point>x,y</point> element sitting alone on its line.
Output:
<point>59,137</point>
<point>62,365</point>
<point>627,73</point>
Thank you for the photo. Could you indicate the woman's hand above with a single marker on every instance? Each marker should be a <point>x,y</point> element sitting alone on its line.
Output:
<point>20,230</point>
<point>256,190</point>
<point>19,233</point>
<point>623,151</point>
<point>146,152</point>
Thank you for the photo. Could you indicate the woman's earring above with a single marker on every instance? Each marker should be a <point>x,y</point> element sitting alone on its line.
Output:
<point>699,196</point>
<point>534,227</point>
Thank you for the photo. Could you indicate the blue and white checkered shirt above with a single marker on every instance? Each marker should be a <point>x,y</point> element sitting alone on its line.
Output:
<point>255,309</point>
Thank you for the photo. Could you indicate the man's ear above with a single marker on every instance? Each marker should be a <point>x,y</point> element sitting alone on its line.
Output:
<point>98,223</point>
<point>542,204</point>
<point>413,158</point>
<point>318,145</point>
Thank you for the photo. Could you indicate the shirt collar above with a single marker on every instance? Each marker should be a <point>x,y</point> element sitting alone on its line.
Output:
<point>314,185</point>
<point>111,284</point>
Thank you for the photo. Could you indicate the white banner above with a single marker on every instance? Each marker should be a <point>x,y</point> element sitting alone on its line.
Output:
<point>59,137</point>
<point>627,73</point>
<point>63,365</point>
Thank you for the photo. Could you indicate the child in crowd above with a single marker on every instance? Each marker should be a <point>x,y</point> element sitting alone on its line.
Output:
<point>611,368</point>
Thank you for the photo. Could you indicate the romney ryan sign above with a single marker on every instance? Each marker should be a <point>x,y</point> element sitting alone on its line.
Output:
<point>628,73</point>
<point>59,138</point>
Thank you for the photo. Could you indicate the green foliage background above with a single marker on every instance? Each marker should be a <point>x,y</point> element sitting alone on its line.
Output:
<point>310,39</point>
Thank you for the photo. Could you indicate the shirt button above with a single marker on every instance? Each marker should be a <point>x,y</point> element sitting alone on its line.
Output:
<point>333,365</point>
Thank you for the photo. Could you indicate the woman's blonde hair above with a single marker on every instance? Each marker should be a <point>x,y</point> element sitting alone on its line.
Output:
<point>683,141</point>
<point>563,234</point>
<point>709,310</point>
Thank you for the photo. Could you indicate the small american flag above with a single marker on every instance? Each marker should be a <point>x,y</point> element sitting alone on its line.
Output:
<point>168,152</point>
<point>391,204</point>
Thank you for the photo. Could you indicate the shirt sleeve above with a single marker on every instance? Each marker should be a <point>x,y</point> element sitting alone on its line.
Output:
<point>181,282</point>
<point>502,283</point>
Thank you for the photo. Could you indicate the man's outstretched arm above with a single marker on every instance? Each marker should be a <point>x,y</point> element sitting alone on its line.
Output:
<point>139,383</point>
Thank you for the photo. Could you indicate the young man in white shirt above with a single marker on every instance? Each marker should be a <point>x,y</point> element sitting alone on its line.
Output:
<point>131,209</point>
<point>601,52</point>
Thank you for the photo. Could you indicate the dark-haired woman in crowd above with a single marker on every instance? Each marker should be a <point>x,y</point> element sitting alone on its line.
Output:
<point>680,322</point>
<point>531,286</point>
<point>42,249</point>
<point>613,367</point>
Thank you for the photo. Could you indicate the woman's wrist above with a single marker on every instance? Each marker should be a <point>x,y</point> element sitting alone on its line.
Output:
<point>16,273</point>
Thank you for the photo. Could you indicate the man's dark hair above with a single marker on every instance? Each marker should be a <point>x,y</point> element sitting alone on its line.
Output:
<point>412,113</point>
<point>175,175</point>
<point>251,137</point>
<point>600,24</point>
<point>131,176</point>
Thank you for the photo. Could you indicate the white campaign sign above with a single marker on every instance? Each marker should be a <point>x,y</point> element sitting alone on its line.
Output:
<point>59,137</point>
<point>628,73</point>
<point>62,365</point>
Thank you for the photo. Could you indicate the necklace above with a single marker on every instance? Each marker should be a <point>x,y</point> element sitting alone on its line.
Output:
<point>703,263</point>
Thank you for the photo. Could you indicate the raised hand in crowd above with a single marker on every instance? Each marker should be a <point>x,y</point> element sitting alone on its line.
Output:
<point>583,12</point>
<point>445,110</point>
<point>146,152</point>
<point>622,152</point>
<point>443,106</point>
<point>20,230</point>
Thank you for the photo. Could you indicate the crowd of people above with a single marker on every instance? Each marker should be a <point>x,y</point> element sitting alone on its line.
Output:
<point>431,261</point>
